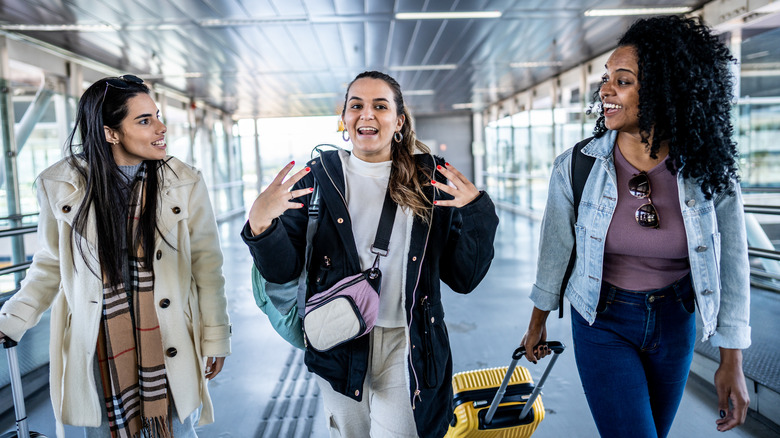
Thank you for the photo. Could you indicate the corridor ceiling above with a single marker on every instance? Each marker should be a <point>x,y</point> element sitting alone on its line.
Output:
<point>271,58</point>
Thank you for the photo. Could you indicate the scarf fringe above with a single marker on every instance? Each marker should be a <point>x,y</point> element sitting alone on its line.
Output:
<point>156,427</point>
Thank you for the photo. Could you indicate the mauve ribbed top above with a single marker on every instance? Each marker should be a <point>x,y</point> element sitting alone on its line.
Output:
<point>639,258</point>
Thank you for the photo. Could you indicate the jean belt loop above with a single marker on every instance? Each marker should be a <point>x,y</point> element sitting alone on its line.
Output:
<point>611,294</point>
<point>679,286</point>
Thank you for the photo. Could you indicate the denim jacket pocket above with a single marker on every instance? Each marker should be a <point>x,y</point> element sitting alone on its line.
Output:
<point>716,249</point>
<point>579,239</point>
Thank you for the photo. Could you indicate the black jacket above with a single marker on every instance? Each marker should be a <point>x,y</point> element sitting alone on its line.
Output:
<point>456,248</point>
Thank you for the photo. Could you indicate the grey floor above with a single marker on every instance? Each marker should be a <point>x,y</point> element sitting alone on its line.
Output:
<point>264,391</point>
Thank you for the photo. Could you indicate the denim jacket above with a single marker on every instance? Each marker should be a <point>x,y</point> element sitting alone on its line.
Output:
<point>713,228</point>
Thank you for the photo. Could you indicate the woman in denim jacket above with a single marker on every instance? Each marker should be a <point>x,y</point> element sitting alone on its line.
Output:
<point>660,229</point>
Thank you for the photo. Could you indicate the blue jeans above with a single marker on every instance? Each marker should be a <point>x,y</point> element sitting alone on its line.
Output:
<point>635,358</point>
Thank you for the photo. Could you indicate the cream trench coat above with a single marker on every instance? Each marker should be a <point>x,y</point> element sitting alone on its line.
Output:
<point>189,288</point>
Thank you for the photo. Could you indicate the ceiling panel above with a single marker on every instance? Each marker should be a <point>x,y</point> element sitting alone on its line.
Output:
<point>294,57</point>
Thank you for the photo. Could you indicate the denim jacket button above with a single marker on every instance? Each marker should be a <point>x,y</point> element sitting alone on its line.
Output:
<point>701,248</point>
<point>707,292</point>
<point>690,202</point>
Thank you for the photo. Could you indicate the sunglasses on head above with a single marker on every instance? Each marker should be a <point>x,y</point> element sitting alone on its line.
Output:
<point>121,82</point>
<point>646,215</point>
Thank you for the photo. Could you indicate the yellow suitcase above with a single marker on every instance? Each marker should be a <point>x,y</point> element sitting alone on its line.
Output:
<point>499,402</point>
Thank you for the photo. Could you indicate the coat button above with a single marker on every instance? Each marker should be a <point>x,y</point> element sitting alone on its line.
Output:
<point>357,392</point>
<point>164,303</point>
<point>340,220</point>
<point>432,319</point>
<point>66,208</point>
<point>707,292</point>
<point>701,248</point>
<point>690,203</point>
<point>159,254</point>
<point>171,352</point>
<point>414,259</point>
<point>176,210</point>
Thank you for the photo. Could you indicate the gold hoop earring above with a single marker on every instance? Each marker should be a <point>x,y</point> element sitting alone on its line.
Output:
<point>398,137</point>
<point>343,137</point>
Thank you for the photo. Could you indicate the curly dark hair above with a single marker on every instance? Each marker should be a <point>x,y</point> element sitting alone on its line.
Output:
<point>685,95</point>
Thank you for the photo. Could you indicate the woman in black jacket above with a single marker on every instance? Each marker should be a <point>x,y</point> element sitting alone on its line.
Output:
<point>396,381</point>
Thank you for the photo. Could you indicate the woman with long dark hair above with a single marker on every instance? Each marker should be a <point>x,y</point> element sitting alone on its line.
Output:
<point>660,230</point>
<point>395,381</point>
<point>130,264</point>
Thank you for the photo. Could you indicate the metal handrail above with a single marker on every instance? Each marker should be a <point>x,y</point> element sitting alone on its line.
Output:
<point>764,253</point>
<point>762,209</point>
<point>759,189</point>
<point>15,268</point>
<point>19,230</point>
<point>17,216</point>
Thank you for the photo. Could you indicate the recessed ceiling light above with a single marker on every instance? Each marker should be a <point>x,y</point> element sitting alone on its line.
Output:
<point>423,67</point>
<point>419,93</point>
<point>58,27</point>
<point>446,15</point>
<point>534,64</point>
<point>314,96</point>
<point>230,22</point>
<point>637,11</point>
<point>463,105</point>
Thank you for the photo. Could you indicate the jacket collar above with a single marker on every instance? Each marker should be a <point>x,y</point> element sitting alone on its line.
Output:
<point>601,147</point>
<point>179,174</point>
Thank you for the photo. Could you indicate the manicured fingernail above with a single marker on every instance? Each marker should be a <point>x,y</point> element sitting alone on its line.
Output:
<point>311,189</point>
<point>307,169</point>
<point>433,182</point>
<point>435,202</point>
<point>722,413</point>
<point>447,164</point>
<point>438,166</point>
<point>292,162</point>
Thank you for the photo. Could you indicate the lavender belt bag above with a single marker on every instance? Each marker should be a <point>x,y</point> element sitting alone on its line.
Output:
<point>345,311</point>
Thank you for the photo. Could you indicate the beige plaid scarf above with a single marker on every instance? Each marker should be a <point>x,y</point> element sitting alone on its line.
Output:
<point>130,352</point>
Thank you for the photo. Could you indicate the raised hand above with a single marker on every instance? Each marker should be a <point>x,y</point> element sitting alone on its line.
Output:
<point>462,190</point>
<point>276,199</point>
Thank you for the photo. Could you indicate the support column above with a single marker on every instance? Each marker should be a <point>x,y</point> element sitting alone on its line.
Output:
<point>10,156</point>
<point>258,159</point>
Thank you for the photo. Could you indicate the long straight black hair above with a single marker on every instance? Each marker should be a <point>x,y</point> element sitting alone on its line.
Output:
<point>106,198</point>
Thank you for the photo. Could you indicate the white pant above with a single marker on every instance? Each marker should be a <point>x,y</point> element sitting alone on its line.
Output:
<point>385,409</point>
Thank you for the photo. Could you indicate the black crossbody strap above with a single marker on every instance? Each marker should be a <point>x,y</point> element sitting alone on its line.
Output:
<point>311,229</point>
<point>581,165</point>
<point>385,228</point>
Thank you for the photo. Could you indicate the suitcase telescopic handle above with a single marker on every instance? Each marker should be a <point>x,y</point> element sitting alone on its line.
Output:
<point>9,343</point>
<point>556,347</point>
<point>16,388</point>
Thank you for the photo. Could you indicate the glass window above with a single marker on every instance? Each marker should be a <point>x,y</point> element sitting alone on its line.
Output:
<point>758,111</point>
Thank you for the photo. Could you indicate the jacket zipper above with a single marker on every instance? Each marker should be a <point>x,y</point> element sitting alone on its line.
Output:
<point>416,395</point>
<point>337,290</point>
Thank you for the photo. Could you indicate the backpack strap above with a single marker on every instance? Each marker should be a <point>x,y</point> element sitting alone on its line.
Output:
<point>311,229</point>
<point>581,165</point>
